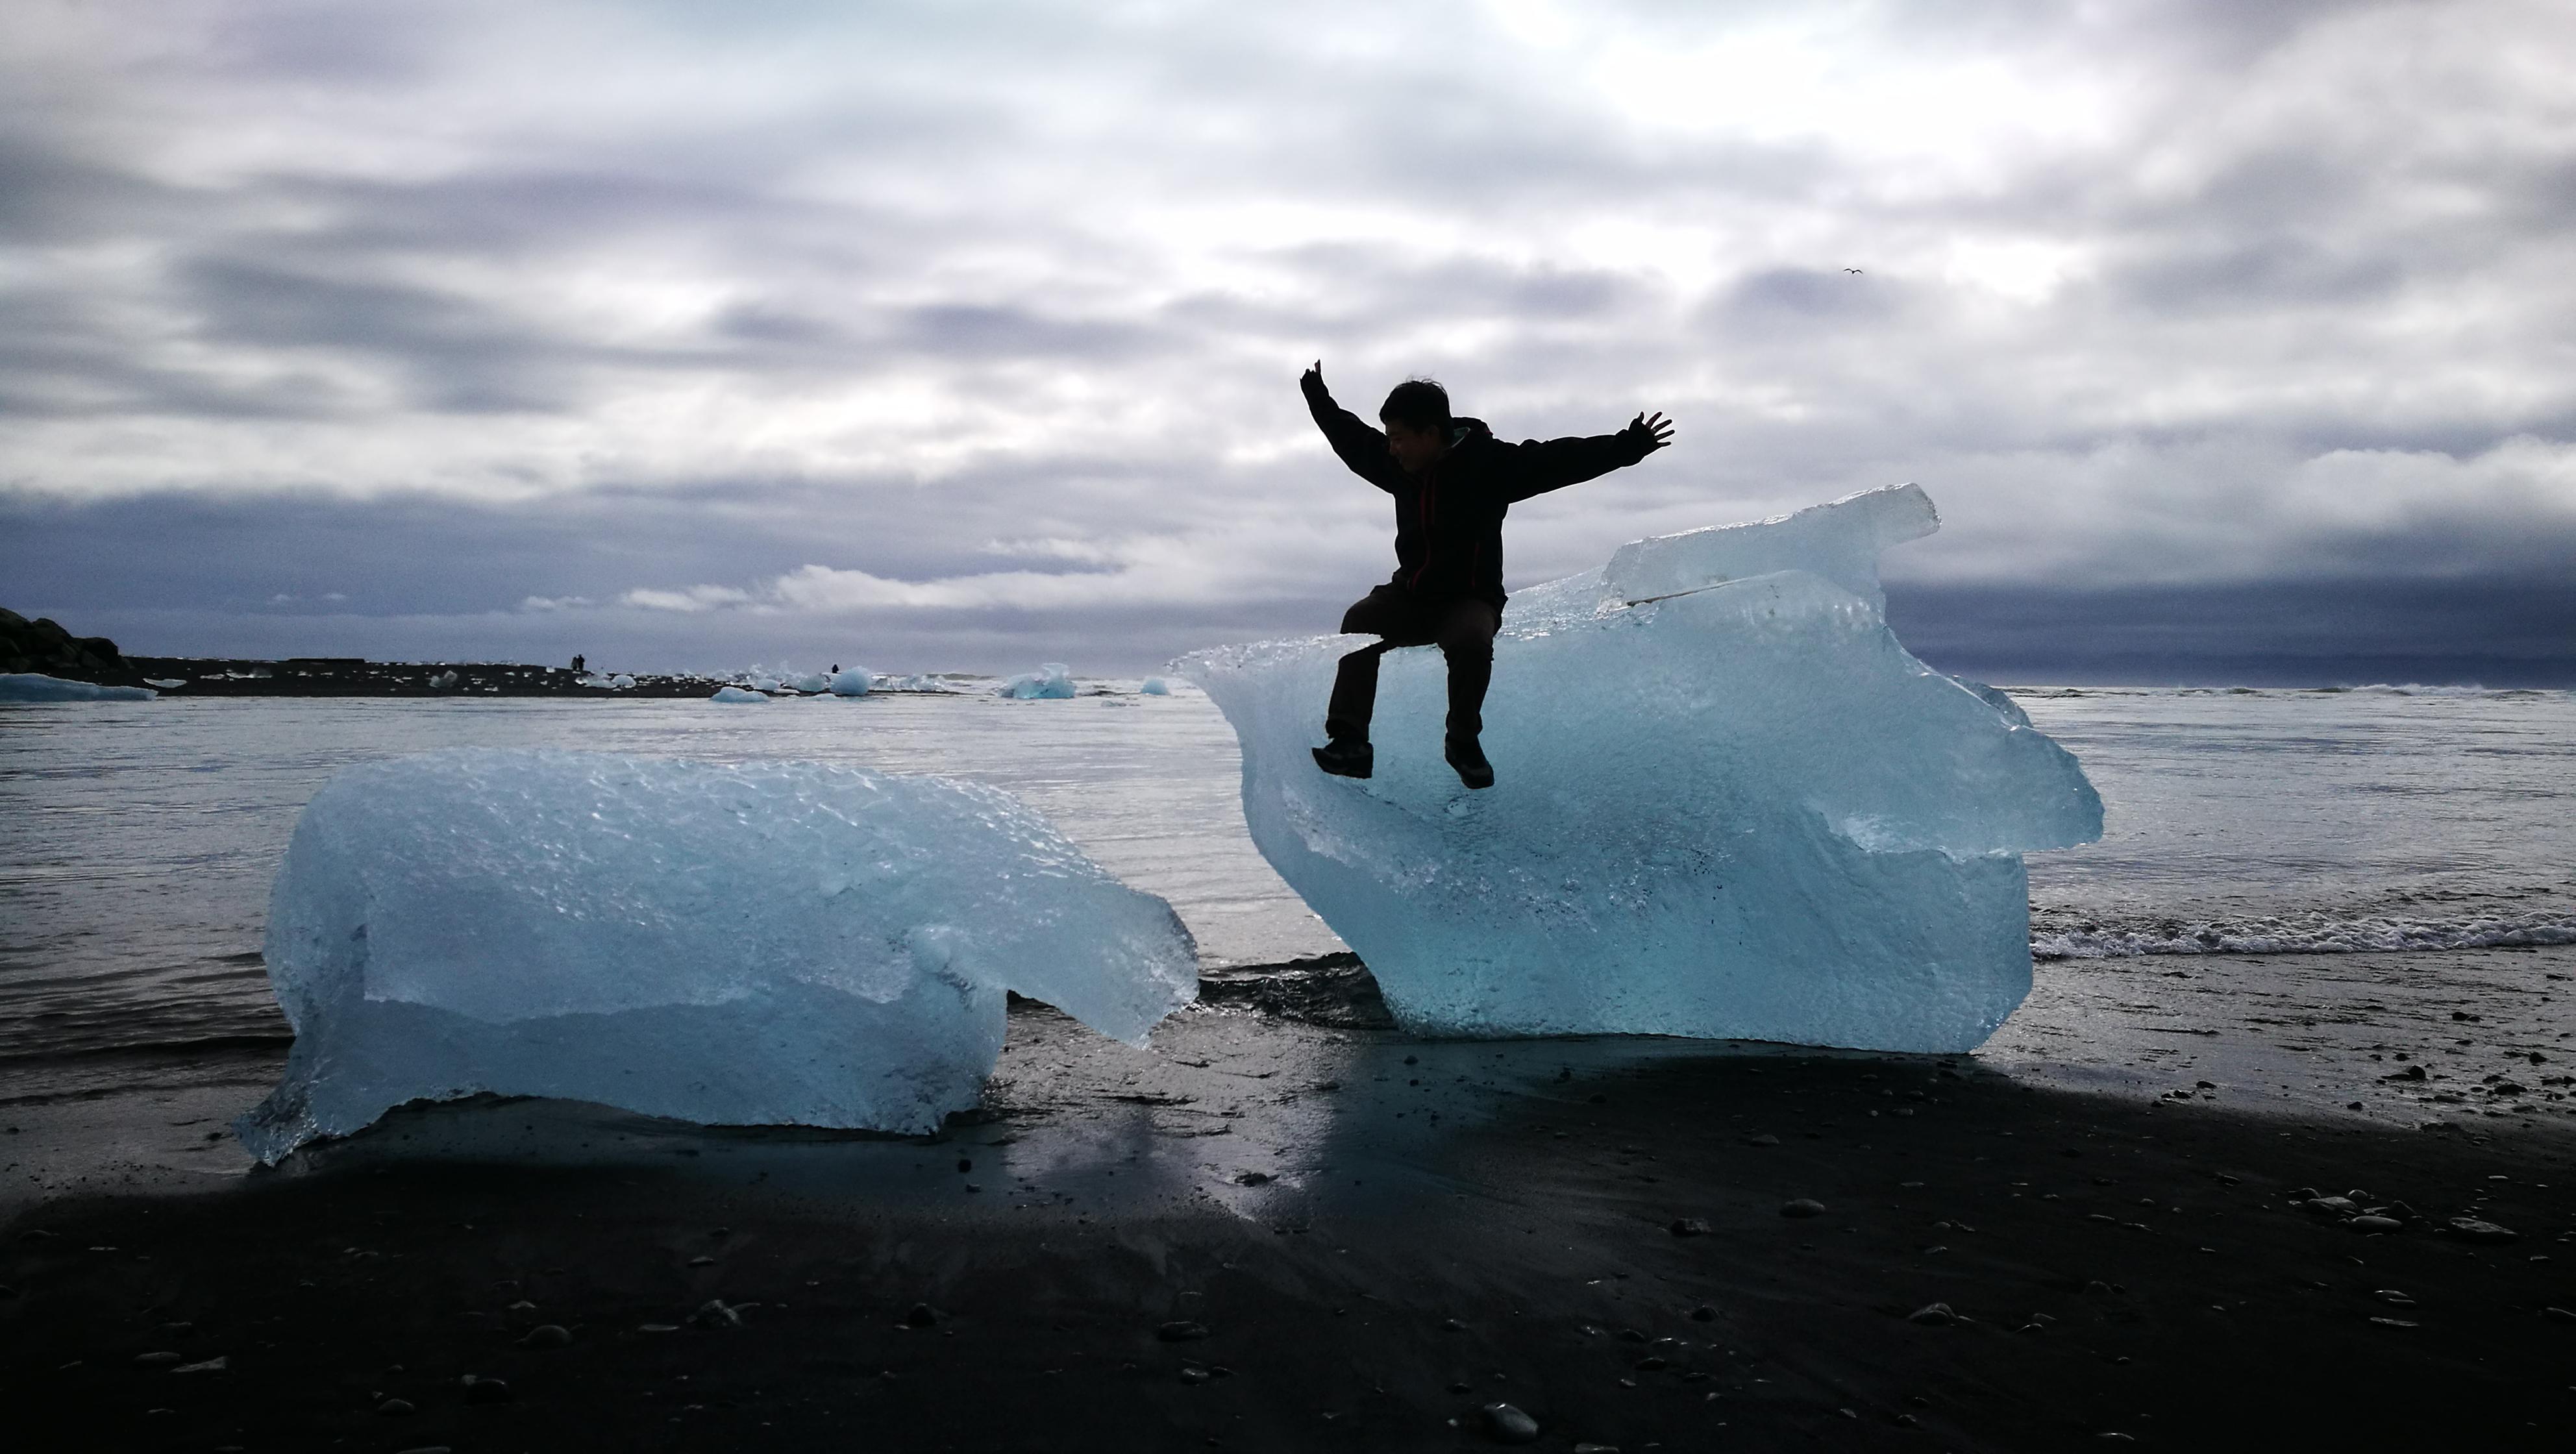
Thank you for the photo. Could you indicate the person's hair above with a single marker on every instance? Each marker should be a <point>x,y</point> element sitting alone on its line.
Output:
<point>1416,404</point>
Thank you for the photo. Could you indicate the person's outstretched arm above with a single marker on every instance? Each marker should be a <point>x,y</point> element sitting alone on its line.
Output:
<point>1539,466</point>
<point>1362,448</point>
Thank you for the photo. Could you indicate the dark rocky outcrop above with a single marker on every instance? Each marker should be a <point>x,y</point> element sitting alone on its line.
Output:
<point>43,645</point>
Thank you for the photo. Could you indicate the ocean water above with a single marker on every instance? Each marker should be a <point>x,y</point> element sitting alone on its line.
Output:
<point>137,840</point>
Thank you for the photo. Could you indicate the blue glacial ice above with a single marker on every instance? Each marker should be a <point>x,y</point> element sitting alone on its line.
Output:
<point>739,694</point>
<point>852,682</point>
<point>727,943</point>
<point>1730,805</point>
<point>1052,680</point>
<point>33,686</point>
<point>1155,687</point>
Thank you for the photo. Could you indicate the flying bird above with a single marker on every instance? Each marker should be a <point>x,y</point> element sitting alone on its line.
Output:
<point>1851,270</point>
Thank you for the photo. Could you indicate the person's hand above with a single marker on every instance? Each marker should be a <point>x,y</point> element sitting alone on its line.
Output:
<point>1652,433</point>
<point>1312,381</point>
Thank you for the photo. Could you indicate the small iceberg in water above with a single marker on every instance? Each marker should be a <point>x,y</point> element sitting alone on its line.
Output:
<point>31,686</point>
<point>1051,681</point>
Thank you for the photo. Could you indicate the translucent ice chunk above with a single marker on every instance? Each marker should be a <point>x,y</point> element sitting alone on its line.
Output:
<point>738,694</point>
<point>1051,679</point>
<point>1156,687</point>
<point>726,943</point>
<point>1840,542</point>
<point>32,686</point>
<point>1739,809</point>
<point>854,682</point>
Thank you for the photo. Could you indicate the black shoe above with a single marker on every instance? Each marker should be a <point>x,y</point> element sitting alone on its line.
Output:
<point>1343,757</point>
<point>1469,758</point>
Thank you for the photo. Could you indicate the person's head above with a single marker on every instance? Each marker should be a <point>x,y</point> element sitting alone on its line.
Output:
<point>1416,416</point>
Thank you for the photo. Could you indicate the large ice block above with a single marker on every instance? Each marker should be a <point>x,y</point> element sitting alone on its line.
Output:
<point>1729,804</point>
<point>737,943</point>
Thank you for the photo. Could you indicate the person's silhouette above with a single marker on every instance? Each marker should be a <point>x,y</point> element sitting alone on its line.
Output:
<point>1452,481</point>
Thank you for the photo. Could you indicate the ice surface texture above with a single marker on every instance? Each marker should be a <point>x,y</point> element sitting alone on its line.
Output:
<point>1730,805</point>
<point>750,943</point>
<point>32,686</point>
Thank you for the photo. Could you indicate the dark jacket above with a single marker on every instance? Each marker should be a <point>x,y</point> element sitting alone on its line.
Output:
<point>1449,519</point>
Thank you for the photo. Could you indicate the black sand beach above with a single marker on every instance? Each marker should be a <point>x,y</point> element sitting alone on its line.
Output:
<point>1275,1234</point>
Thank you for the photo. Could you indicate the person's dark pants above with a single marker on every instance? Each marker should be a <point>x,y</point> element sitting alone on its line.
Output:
<point>1463,629</point>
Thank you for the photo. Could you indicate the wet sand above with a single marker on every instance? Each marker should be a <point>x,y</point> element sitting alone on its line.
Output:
<point>1276,1234</point>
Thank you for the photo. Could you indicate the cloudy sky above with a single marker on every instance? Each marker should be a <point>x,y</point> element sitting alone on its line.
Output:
<point>2236,341</point>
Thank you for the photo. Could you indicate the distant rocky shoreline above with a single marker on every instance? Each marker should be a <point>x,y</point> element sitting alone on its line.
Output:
<point>334,676</point>
<point>48,648</point>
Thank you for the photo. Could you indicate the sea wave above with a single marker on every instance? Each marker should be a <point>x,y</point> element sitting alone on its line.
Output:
<point>2316,933</point>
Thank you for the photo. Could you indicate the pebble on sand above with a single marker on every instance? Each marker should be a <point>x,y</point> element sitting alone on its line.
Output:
<point>1689,1227</point>
<point>162,1358</point>
<point>2473,1230</point>
<point>1802,1207</point>
<point>1508,1425</point>
<point>481,1390</point>
<point>1933,1315</point>
<point>212,1365</point>
<point>547,1335</point>
<point>1181,1331</point>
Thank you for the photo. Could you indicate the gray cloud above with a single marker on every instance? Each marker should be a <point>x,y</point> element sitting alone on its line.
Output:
<point>573,303</point>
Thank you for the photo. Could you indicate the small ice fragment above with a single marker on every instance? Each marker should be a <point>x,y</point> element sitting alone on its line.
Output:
<point>1051,680</point>
<point>854,682</point>
<point>738,694</point>
<point>1156,687</point>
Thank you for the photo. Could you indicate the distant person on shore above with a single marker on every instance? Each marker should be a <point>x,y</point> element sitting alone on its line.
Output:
<point>1452,481</point>
<point>577,661</point>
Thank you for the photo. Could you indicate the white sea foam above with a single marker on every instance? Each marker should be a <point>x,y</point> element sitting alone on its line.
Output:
<point>2301,933</point>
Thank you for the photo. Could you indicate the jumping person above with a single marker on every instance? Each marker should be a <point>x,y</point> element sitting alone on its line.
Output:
<point>1452,481</point>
